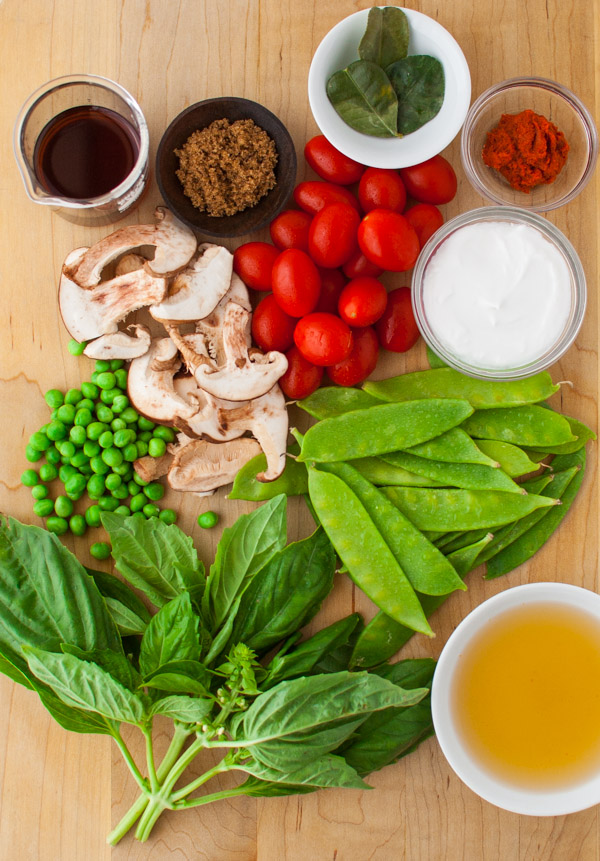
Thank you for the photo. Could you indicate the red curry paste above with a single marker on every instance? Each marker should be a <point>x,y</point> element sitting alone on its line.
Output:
<point>527,149</point>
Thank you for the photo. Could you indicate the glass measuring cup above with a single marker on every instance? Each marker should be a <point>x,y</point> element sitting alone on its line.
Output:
<point>53,105</point>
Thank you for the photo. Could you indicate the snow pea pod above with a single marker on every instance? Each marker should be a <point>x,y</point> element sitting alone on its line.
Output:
<point>454,446</point>
<point>448,383</point>
<point>332,401</point>
<point>466,558</point>
<point>471,476</point>
<point>529,426</point>
<point>427,569</point>
<point>381,429</point>
<point>359,544</point>
<point>463,539</point>
<point>433,359</point>
<point>378,470</point>
<point>293,481</point>
<point>440,509</point>
<point>512,459</point>
<point>582,433</point>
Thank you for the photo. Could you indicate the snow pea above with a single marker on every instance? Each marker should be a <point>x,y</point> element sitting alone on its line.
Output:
<point>466,558</point>
<point>440,509</point>
<point>433,359</point>
<point>381,429</point>
<point>471,476</point>
<point>448,383</point>
<point>378,470</point>
<point>358,543</point>
<point>529,426</point>
<point>582,433</point>
<point>332,401</point>
<point>427,569</point>
<point>293,481</point>
<point>512,459</point>
<point>453,446</point>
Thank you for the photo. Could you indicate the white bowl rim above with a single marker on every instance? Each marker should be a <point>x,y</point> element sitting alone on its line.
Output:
<point>556,802</point>
<point>392,153</point>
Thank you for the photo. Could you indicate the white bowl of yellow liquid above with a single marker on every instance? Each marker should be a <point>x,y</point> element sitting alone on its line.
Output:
<point>516,699</point>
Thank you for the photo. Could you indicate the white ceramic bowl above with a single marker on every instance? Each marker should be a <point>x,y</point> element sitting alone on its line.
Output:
<point>339,48</point>
<point>542,802</point>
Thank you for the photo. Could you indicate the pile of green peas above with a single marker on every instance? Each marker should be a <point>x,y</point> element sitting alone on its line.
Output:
<point>90,443</point>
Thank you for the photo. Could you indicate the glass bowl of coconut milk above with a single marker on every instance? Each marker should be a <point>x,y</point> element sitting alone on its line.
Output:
<point>499,293</point>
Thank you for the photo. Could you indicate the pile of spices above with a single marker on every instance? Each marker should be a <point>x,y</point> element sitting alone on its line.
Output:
<point>227,167</point>
<point>527,149</point>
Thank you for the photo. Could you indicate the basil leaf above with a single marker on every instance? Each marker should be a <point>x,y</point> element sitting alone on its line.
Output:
<point>180,677</point>
<point>256,788</point>
<point>172,635</point>
<point>114,663</point>
<point>365,99</point>
<point>126,620</point>
<point>72,719</point>
<point>9,669</point>
<point>242,551</point>
<point>418,82</point>
<point>286,593</point>
<point>184,709</point>
<point>157,558</point>
<point>326,771</point>
<point>386,37</point>
<point>46,597</point>
<point>129,613</point>
<point>304,657</point>
<point>339,658</point>
<point>86,686</point>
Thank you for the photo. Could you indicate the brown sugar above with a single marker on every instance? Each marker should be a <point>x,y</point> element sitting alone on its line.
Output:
<point>227,167</point>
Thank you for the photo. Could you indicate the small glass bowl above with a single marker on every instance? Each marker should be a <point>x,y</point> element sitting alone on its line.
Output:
<point>557,104</point>
<point>512,215</point>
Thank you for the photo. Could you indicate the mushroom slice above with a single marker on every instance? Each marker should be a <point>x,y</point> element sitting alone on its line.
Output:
<point>196,290</point>
<point>243,376</point>
<point>175,244</point>
<point>150,468</point>
<point>211,418</point>
<point>120,345</point>
<point>267,420</point>
<point>202,466</point>
<point>211,327</point>
<point>150,384</point>
<point>129,263</point>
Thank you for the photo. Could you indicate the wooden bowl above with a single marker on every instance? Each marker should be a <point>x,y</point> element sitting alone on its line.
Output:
<point>199,116</point>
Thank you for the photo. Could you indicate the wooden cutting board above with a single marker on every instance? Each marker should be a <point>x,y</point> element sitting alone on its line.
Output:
<point>60,792</point>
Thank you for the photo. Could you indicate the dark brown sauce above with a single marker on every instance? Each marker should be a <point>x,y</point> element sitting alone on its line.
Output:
<point>85,152</point>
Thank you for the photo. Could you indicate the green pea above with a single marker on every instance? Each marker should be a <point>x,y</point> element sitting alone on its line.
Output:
<point>77,435</point>
<point>95,430</point>
<point>133,488</point>
<point>40,491</point>
<point>94,377</point>
<point>86,404</point>
<point>108,503</point>
<point>56,430</point>
<point>86,469</point>
<point>168,516</point>
<point>104,413</point>
<point>138,515</point>
<point>106,380</point>
<point>130,415</point>
<point>156,447</point>
<point>58,525</point>
<point>162,432</point>
<point>116,364</point>
<point>333,401</point>
<point>100,550</point>
<point>139,480</point>
<point>90,447</point>
<point>120,492</point>
<point>145,436</point>
<point>66,471</point>
<point>121,378</point>
<point>125,470</point>
<point>30,477</point>
<point>101,366</point>
<point>150,510</point>
<point>73,396</point>
<point>528,426</point>
<point>66,448</point>
<point>63,506</point>
<point>113,481</point>
<point>137,502</point>
<point>92,515</point>
<point>83,418</point>
<point>130,452</point>
<point>106,439</point>
<point>66,414</point>
<point>142,448</point>
<point>90,390</point>
<point>118,424</point>
<point>112,456</point>
<point>54,398</point>
<point>75,348</point>
<point>208,519</point>
<point>154,491</point>
<point>77,524</point>
<point>39,441</point>
<point>145,424</point>
<point>123,438</point>
<point>43,507</point>
<point>107,396</point>
<point>95,486</point>
<point>53,455</point>
<point>76,484</point>
<point>32,454</point>
<point>99,466</point>
<point>123,510</point>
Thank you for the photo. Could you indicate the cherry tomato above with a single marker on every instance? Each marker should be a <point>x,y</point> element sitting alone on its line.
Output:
<point>359,265</point>
<point>272,328</point>
<point>361,361</point>
<point>426,219</point>
<point>290,229</point>
<point>313,195</point>
<point>381,189</point>
<point>397,329</point>
<point>323,339</point>
<point>301,378</point>
<point>296,282</point>
<point>432,181</point>
<point>332,235</point>
<point>362,302</point>
<point>388,240</point>
<point>330,164</point>
<point>332,284</point>
<point>253,262</point>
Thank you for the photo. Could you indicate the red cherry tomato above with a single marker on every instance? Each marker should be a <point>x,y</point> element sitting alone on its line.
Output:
<point>397,329</point>
<point>296,282</point>
<point>359,265</point>
<point>426,219</point>
<point>388,240</point>
<point>361,361</point>
<point>332,235</point>
<point>323,339</point>
<point>362,302</point>
<point>330,164</point>
<point>313,195</point>
<point>432,181</point>
<point>301,378</point>
<point>253,262</point>
<point>272,328</point>
<point>332,284</point>
<point>381,189</point>
<point>290,229</point>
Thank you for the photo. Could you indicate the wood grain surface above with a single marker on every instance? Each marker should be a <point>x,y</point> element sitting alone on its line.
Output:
<point>60,791</point>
